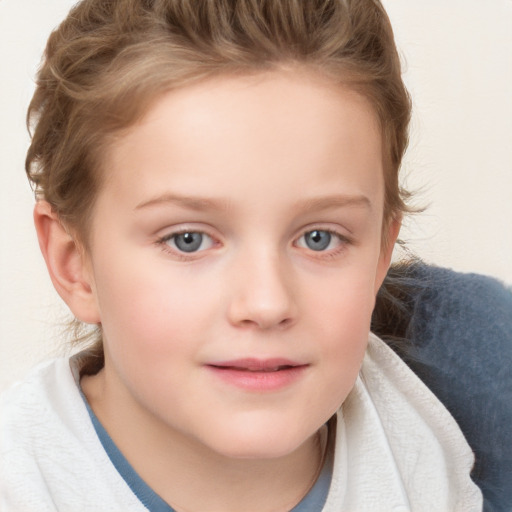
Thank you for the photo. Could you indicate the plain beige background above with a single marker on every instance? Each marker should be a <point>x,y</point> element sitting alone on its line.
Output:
<point>458,66</point>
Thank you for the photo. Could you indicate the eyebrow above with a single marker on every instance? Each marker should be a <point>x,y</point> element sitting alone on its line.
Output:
<point>334,201</point>
<point>209,204</point>
<point>189,202</point>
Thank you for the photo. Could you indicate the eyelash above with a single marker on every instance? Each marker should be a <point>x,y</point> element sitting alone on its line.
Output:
<point>163,243</point>
<point>343,241</point>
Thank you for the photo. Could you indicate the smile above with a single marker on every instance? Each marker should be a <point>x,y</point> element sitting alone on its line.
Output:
<point>258,375</point>
<point>277,368</point>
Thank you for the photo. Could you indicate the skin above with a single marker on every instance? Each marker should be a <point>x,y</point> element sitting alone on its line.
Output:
<point>255,164</point>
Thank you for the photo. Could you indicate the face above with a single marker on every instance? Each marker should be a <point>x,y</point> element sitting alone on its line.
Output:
<point>235,256</point>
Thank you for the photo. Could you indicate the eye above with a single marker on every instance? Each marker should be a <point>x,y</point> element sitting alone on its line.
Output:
<point>320,240</point>
<point>189,241</point>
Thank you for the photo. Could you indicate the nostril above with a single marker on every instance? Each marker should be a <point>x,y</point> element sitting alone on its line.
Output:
<point>266,323</point>
<point>265,299</point>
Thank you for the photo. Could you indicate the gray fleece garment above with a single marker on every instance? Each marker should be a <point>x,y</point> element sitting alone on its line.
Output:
<point>460,344</point>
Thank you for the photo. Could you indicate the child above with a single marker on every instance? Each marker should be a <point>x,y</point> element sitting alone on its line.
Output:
<point>217,192</point>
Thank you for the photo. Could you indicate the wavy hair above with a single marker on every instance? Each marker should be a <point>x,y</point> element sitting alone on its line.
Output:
<point>109,59</point>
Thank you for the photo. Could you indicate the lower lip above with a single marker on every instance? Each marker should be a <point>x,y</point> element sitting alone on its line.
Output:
<point>259,381</point>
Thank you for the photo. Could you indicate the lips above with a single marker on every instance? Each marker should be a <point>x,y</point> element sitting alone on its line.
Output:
<point>257,365</point>
<point>258,368</point>
<point>258,374</point>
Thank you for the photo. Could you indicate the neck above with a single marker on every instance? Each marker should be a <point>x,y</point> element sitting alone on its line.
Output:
<point>211,482</point>
<point>191,477</point>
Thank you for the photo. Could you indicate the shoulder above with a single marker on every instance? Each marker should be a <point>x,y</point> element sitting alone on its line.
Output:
<point>35,422</point>
<point>28,424</point>
<point>31,402</point>
<point>48,445</point>
<point>462,322</point>
<point>460,344</point>
<point>462,302</point>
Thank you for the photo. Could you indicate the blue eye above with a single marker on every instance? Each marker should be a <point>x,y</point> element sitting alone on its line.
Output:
<point>321,240</point>
<point>189,241</point>
<point>318,239</point>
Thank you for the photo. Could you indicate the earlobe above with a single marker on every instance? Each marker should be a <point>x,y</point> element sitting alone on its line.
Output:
<point>66,264</point>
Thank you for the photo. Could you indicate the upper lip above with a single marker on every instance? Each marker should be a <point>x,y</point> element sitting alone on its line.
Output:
<point>255,364</point>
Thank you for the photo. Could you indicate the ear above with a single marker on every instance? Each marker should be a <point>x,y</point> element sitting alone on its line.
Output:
<point>66,264</point>
<point>386,252</point>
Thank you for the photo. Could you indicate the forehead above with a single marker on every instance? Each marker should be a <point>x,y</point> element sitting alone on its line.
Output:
<point>276,130</point>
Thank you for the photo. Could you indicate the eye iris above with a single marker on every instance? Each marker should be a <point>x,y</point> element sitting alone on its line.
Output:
<point>188,242</point>
<point>318,240</point>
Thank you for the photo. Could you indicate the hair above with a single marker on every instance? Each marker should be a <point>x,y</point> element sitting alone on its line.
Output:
<point>109,59</point>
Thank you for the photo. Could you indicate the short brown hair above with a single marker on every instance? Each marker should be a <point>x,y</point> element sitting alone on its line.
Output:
<point>110,58</point>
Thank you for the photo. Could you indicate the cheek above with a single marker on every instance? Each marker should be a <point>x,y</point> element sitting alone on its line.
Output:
<point>342,315</point>
<point>151,334</point>
<point>344,305</point>
<point>146,310</point>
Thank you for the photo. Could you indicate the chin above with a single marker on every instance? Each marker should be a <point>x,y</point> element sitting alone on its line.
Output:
<point>259,451</point>
<point>258,442</point>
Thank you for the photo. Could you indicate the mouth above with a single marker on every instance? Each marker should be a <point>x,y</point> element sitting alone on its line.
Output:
<point>257,365</point>
<point>258,374</point>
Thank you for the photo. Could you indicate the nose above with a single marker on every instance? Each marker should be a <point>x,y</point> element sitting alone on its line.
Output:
<point>263,294</point>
